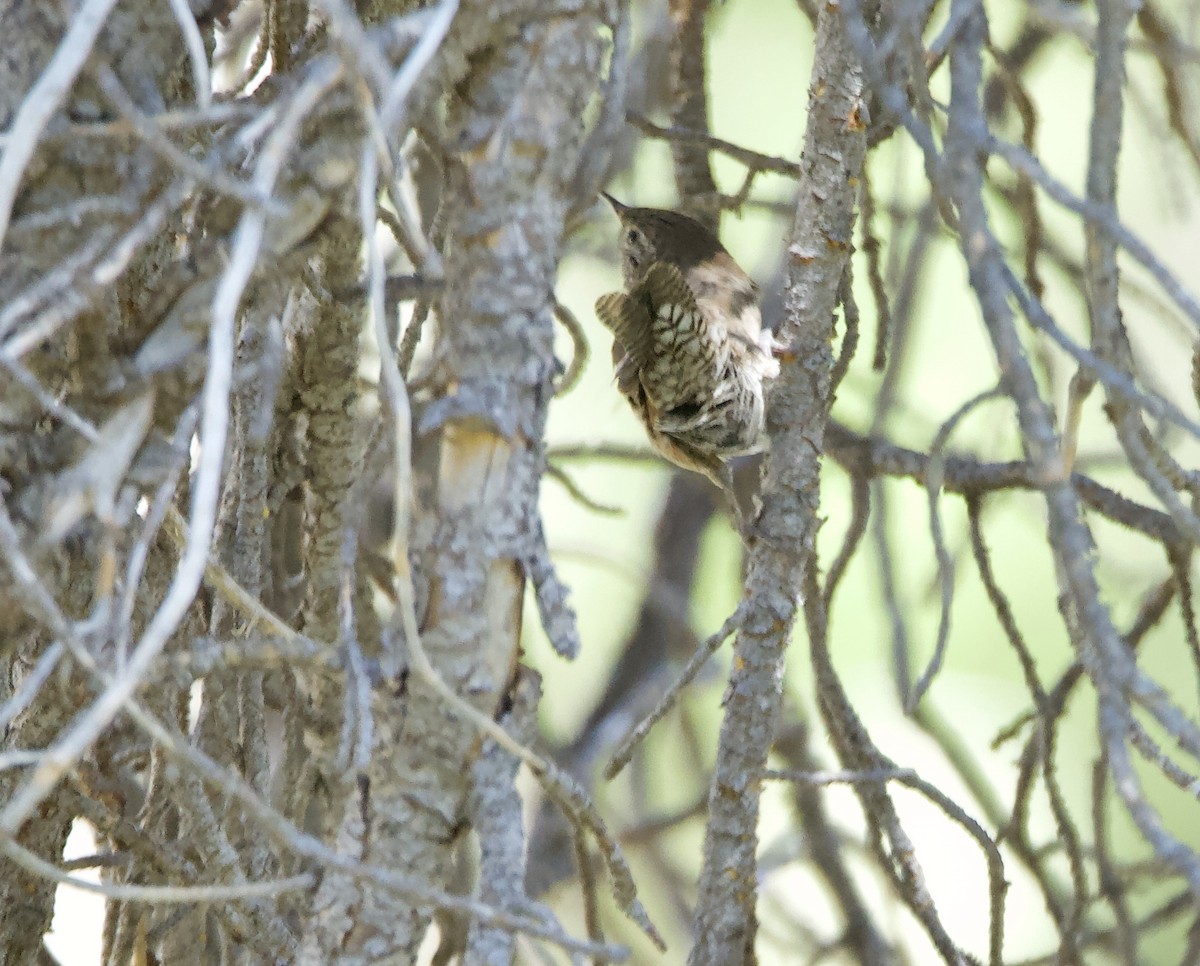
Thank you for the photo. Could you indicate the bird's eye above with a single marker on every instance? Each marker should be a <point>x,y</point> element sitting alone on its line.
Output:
<point>633,236</point>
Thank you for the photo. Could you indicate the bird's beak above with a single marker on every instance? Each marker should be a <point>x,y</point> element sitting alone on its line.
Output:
<point>616,205</point>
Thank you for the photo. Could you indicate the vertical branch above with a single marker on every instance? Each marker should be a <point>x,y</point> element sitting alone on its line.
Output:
<point>494,808</point>
<point>475,523</point>
<point>328,360</point>
<point>689,109</point>
<point>784,535</point>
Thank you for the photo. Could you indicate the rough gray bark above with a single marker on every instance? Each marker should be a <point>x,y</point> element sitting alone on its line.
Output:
<point>61,180</point>
<point>782,537</point>
<point>515,124</point>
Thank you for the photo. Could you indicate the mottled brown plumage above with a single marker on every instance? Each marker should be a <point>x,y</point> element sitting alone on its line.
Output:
<point>689,349</point>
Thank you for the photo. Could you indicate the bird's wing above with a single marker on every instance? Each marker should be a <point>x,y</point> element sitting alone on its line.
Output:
<point>670,303</point>
<point>656,327</point>
<point>624,371</point>
<point>629,322</point>
<point>688,352</point>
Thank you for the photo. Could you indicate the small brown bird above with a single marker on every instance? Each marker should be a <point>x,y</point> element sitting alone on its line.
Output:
<point>689,349</point>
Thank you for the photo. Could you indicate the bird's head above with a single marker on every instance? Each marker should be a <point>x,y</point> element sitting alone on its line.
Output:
<point>654,234</point>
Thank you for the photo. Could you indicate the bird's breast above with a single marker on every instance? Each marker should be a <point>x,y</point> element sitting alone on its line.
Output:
<point>728,298</point>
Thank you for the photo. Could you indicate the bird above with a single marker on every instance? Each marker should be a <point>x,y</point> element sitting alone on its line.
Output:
<point>689,350</point>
